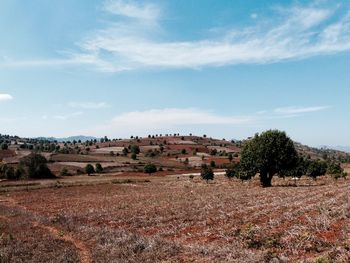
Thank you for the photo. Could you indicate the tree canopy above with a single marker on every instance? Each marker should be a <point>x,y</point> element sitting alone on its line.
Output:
<point>268,153</point>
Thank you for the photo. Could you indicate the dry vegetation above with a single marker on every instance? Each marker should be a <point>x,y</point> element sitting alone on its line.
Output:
<point>178,219</point>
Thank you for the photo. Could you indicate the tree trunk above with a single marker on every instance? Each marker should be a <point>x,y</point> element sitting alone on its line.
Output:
<point>265,179</point>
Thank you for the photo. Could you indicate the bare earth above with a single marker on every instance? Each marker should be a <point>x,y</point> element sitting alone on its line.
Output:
<point>178,219</point>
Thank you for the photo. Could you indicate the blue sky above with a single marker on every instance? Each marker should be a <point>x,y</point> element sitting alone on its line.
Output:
<point>228,69</point>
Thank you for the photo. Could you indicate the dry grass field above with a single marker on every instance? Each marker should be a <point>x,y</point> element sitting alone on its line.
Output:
<point>178,219</point>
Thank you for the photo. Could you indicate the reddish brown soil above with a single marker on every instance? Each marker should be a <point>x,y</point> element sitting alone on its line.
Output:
<point>188,220</point>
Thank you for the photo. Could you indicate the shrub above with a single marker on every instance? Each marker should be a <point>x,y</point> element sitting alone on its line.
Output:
<point>213,152</point>
<point>4,146</point>
<point>232,171</point>
<point>334,168</point>
<point>150,168</point>
<point>125,151</point>
<point>10,173</point>
<point>89,169</point>
<point>135,149</point>
<point>99,168</point>
<point>35,166</point>
<point>212,164</point>
<point>207,173</point>
<point>183,151</point>
<point>134,156</point>
<point>316,168</point>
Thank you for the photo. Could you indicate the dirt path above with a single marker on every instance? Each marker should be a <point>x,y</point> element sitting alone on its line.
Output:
<point>83,251</point>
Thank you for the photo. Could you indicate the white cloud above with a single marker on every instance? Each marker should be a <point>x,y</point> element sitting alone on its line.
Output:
<point>145,11</point>
<point>68,116</point>
<point>175,117</point>
<point>89,105</point>
<point>143,122</point>
<point>299,110</point>
<point>5,97</point>
<point>253,16</point>
<point>298,33</point>
<point>168,119</point>
<point>293,32</point>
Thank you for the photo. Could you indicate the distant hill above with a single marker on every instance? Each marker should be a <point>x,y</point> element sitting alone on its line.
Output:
<point>340,148</point>
<point>71,138</point>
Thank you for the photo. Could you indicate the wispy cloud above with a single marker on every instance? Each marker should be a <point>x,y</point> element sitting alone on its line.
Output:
<point>175,116</point>
<point>89,105</point>
<point>145,11</point>
<point>297,32</point>
<point>142,122</point>
<point>67,116</point>
<point>5,97</point>
<point>299,110</point>
<point>139,40</point>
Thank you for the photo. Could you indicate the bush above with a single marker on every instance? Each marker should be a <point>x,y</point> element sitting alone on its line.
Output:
<point>150,168</point>
<point>135,149</point>
<point>232,171</point>
<point>316,168</point>
<point>35,166</point>
<point>213,152</point>
<point>212,164</point>
<point>99,168</point>
<point>207,173</point>
<point>134,156</point>
<point>334,168</point>
<point>4,146</point>
<point>183,151</point>
<point>89,169</point>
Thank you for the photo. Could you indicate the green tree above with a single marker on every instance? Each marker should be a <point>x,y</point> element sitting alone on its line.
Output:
<point>36,166</point>
<point>232,171</point>
<point>134,156</point>
<point>89,169</point>
<point>213,152</point>
<point>334,168</point>
<point>316,168</point>
<point>230,157</point>
<point>150,168</point>
<point>125,151</point>
<point>19,172</point>
<point>207,173</point>
<point>135,149</point>
<point>212,164</point>
<point>298,170</point>
<point>10,173</point>
<point>267,154</point>
<point>4,146</point>
<point>99,168</point>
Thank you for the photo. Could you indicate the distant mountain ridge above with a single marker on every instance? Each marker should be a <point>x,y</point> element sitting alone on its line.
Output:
<point>82,138</point>
<point>340,148</point>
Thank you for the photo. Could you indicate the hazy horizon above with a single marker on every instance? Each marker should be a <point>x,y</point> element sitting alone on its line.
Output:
<point>226,69</point>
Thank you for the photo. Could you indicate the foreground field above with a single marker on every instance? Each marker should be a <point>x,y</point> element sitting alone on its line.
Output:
<point>178,219</point>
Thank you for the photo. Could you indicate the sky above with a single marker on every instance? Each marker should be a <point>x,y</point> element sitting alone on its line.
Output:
<point>228,69</point>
